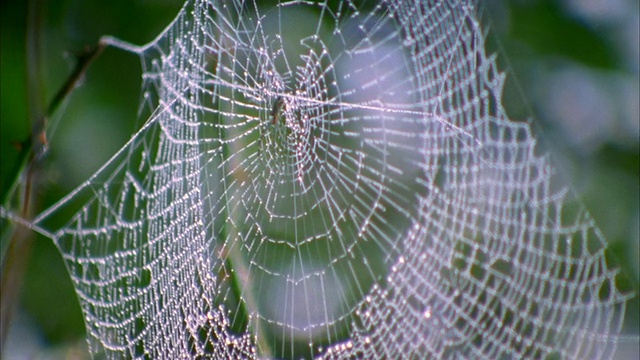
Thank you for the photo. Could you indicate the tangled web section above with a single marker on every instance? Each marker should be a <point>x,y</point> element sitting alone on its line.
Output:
<point>333,179</point>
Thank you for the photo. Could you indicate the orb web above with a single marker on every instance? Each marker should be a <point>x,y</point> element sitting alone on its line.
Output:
<point>332,180</point>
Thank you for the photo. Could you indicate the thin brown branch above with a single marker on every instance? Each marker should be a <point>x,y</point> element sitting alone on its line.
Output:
<point>33,151</point>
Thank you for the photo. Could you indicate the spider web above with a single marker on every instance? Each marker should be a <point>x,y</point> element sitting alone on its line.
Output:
<point>332,179</point>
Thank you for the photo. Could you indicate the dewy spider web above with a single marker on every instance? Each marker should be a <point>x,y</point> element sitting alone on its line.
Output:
<point>334,180</point>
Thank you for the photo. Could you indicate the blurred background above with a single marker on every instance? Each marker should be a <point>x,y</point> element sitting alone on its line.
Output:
<point>573,71</point>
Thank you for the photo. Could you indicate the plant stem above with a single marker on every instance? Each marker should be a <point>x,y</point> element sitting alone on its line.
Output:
<point>33,150</point>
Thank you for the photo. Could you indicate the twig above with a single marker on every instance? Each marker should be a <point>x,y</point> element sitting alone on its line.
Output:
<point>31,155</point>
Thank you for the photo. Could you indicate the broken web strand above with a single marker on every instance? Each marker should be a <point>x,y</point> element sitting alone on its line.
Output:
<point>161,288</point>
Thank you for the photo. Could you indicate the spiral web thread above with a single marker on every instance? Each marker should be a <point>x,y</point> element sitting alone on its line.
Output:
<point>332,180</point>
